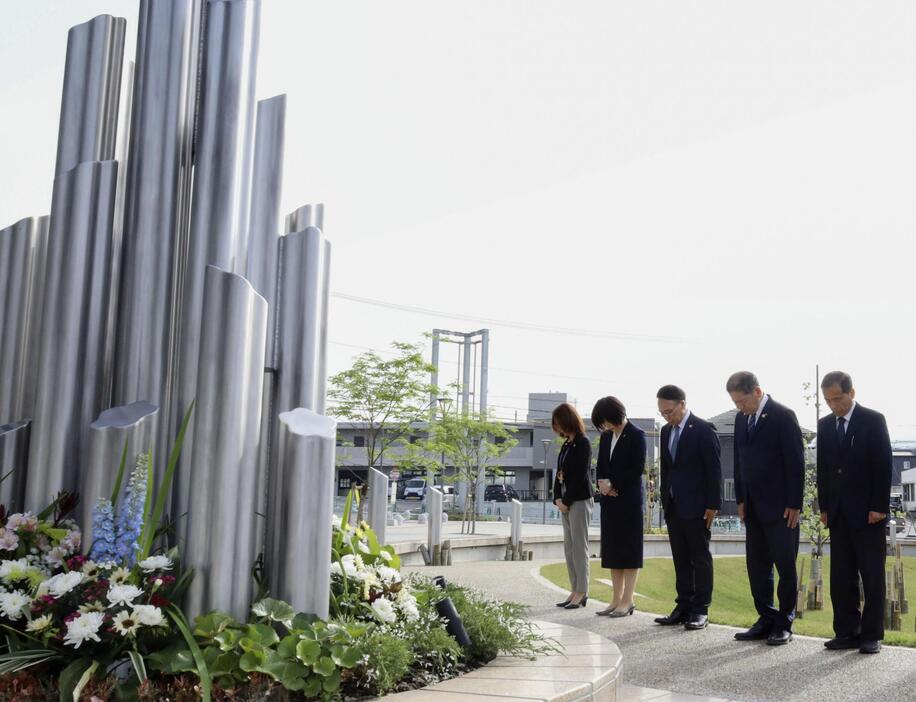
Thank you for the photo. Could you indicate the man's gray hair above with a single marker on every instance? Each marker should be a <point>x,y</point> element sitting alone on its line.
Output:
<point>742,381</point>
<point>837,378</point>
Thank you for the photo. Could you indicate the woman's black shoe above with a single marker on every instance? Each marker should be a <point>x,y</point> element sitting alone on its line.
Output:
<point>581,603</point>
<point>563,604</point>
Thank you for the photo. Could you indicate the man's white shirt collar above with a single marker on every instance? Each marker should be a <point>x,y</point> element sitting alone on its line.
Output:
<point>847,415</point>
<point>760,407</point>
<point>684,421</point>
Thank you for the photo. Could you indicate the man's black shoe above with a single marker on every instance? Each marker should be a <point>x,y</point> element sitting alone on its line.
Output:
<point>841,643</point>
<point>696,621</point>
<point>758,632</point>
<point>870,647</point>
<point>779,637</point>
<point>676,617</point>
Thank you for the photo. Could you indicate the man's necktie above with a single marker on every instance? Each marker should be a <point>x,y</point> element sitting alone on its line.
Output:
<point>841,430</point>
<point>672,443</point>
<point>751,425</point>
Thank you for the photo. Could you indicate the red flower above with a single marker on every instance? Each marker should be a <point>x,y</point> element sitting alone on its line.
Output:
<point>76,562</point>
<point>159,601</point>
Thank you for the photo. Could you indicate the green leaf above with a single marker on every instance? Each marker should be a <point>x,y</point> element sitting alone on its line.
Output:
<point>345,656</point>
<point>208,626</point>
<point>174,659</point>
<point>206,684</point>
<point>275,611</point>
<point>225,664</point>
<point>312,686</point>
<point>287,646</point>
<point>252,660</point>
<point>261,634</point>
<point>325,666</point>
<point>163,491</point>
<point>308,651</point>
<point>228,639</point>
<point>303,621</point>
<point>285,671</point>
<point>332,682</point>
<point>139,667</point>
<point>119,479</point>
<point>74,677</point>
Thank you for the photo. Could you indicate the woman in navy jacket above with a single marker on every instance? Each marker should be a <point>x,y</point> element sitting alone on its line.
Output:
<point>573,496</point>
<point>621,463</point>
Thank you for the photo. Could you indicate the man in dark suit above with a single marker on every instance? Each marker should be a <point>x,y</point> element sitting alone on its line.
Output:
<point>691,473</point>
<point>769,488</point>
<point>854,468</point>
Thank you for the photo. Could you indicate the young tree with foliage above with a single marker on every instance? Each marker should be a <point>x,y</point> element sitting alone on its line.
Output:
<point>387,395</point>
<point>469,443</point>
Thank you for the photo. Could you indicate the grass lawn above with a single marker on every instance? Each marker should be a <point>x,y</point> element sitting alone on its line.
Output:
<point>731,599</point>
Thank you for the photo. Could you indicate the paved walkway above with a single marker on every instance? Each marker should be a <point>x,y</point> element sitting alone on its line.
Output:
<point>705,663</point>
<point>452,530</point>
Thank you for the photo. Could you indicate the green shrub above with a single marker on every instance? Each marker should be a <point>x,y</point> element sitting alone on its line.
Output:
<point>386,660</point>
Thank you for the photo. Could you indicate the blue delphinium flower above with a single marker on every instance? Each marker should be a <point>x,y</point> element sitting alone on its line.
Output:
<point>130,516</point>
<point>103,531</point>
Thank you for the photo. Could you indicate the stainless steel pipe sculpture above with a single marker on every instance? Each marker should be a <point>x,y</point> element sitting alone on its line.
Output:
<point>220,521</point>
<point>516,527</point>
<point>434,525</point>
<point>299,515</point>
<point>378,503</point>
<point>221,183</point>
<point>92,86</point>
<point>303,289</point>
<point>14,461</point>
<point>133,425</point>
<point>74,320</point>
<point>22,249</point>
<point>304,217</point>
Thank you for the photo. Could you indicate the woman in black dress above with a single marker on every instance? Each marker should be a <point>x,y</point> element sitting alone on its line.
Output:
<point>573,495</point>
<point>621,462</point>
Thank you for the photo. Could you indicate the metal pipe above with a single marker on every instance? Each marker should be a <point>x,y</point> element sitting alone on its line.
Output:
<point>220,520</point>
<point>304,217</point>
<point>434,525</point>
<point>71,359</point>
<point>378,503</point>
<point>14,462</point>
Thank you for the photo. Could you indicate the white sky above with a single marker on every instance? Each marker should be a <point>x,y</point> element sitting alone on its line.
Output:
<point>736,175</point>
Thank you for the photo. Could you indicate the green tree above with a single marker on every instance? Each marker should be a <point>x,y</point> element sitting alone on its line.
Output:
<point>473,443</point>
<point>388,396</point>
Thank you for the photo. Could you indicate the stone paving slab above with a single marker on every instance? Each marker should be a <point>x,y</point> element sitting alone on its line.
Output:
<point>710,662</point>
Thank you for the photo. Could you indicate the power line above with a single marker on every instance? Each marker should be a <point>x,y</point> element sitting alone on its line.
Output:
<point>508,323</point>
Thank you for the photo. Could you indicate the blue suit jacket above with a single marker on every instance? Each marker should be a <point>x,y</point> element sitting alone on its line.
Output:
<point>854,478</point>
<point>625,468</point>
<point>695,475</point>
<point>770,466</point>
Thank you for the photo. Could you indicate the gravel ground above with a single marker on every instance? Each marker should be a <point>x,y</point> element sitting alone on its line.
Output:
<point>708,662</point>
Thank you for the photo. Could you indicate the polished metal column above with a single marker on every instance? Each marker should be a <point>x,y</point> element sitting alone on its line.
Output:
<point>302,320</point>
<point>304,217</point>
<point>300,511</point>
<point>220,474</point>
<point>516,528</point>
<point>14,462</point>
<point>221,182</point>
<point>92,85</point>
<point>22,248</point>
<point>434,525</point>
<point>70,388</point>
<point>133,425</point>
<point>378,503</point>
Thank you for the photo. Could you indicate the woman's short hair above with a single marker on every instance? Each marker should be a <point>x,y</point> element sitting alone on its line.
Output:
<point>566,419</point>
<point>608,410</point>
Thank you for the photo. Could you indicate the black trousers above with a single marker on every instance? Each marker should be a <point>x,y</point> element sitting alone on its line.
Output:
<point>770,544</point>
<point>855,552</point>
<point>689,539</point>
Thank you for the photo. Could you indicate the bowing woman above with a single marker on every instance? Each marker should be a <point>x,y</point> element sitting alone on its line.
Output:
<point>573,496</point>
<point>621,462</point>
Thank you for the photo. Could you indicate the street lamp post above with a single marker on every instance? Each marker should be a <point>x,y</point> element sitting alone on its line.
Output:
<point>546,444</point>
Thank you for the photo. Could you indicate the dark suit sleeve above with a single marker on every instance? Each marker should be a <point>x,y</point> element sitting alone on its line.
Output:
<point>739,479</point>
<point>823,471</point>
<point>602,469</point>
<point>793,456</point>
<point>626,472</point>
<point>883,466</point>
<point>557,488</point>
<point>575,466</point>
<point>712,466</point>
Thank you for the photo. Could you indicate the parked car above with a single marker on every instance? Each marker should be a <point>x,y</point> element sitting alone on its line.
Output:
<point>414,489</point>
<point>448,496</point>
<point>499,493</point>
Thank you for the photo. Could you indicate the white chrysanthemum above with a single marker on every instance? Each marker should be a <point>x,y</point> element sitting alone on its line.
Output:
<point>408,607</point>
<point>384,610</point>
<point>61,584</point>
<point>123,594</point>
<point>13,604</point>
<point>119,576</point>
<point>39,623</point>
<point>336,569</point>
<point>156,563</point>
<point>85,626</point>
<point>95,606</point>
<point>12,568</point>
<point>149,615</point>
<point>388,575</point>
<point>125,623</point>
<point>349,565</point>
